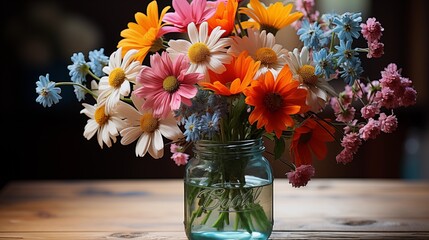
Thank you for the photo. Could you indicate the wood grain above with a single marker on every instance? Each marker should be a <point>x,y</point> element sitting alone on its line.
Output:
<point>153,209</point>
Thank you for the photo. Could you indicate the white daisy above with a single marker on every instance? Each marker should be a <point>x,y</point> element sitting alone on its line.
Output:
<point>107,126</point>
<point>303,70</point>
<point>204,51</point>
<point>147,130</point>
<point>261,47</point>
<point>120,74</point>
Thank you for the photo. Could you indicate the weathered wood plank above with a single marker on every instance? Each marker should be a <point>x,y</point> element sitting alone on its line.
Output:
<point>181,235</point>
<point>157,205</point>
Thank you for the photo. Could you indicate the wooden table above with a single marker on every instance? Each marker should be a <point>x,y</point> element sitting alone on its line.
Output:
<point>153,209</point>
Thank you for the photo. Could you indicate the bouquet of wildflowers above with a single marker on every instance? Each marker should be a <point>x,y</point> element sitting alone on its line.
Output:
<point>228,79</point>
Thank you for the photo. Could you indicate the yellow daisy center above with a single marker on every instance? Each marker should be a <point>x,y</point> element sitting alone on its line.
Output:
<point>116,77</point>
<point>148,123</point>
<point>44,92</point>
<point>170,84</point>
<point>267,56</point>
<point>198,52</point>
<point>307,74</point>
<point>100,116</point>
<point>273,101</point>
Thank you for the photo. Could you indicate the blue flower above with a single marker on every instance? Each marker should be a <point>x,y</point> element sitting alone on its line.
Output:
<point>312,35</point>
<point>78,69</point>
<point>80,93</point>
<point>97,61</point>
<point>192,128</point>
<point>217,103</point>
<point>348,26</point>
<point>210,124</point>
<point>351,70</point>
<point>324,63</point>
<point>199,102</point>
<point>328,19</point>
<point>345,52</point>
<point>48,93</point>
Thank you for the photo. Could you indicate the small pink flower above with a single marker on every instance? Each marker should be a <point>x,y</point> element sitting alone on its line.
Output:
<point>359,89</point>
<point>409,97</point>
<point>307,8</point>
<point>391,69</point>
<point>352,126</point>
<point>388,123</point>
<point>390,77</point>
<point>406,82</point>
<point>174,148</point>
<point>351,142</point>
<point>346,97</point>
<point>304,6</point>
<point>387,98</point>
<point>370,110</point>
<point>371,130</point>
<point>180,158</point>
<point>335,105</point>
<point>376,49</point>
<point>345,156</point>
<point>301,176</point>
<point>372,30</point>
<point>346,115</point>
<point>371,89</point>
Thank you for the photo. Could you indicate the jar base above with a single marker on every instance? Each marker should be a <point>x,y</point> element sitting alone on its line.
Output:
<point>218,235</point>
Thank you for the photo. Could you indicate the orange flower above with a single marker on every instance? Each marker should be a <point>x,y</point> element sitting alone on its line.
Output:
<point>238,75</point>
<point>275,101</point>
<point>272,18</point>
<point>145,35</point>
<point>224,17</point>
<point>311,137</point>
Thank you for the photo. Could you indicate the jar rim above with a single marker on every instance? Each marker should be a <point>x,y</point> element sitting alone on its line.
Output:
<point>233,142</point>
<point>255,144</point>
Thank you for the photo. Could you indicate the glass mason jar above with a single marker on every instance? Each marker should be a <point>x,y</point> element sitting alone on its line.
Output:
<point>228,191</point>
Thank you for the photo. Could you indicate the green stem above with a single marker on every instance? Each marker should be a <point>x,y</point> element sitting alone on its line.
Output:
<point>362,50</point>
<point>331,47</point>
<point>127,100</point>
<point>204,221</point>
<point>93,75</point>
<point>242,32</point>
<point>59,84</point>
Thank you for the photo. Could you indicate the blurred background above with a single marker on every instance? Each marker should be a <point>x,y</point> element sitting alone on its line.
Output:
<point>39,37</point>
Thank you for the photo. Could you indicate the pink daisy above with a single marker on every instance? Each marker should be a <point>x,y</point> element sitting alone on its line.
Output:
<point>166,84</point>
<point>186,13</point>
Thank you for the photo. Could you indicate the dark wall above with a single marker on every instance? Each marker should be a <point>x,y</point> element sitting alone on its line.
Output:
<point>47,143</point>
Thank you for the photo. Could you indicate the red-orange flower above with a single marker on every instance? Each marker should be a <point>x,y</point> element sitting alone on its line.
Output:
<point>224,16</point>
<point>275,101</point>
<point>238,75</point>
<point>145,34</point>
<point>311,137</point>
